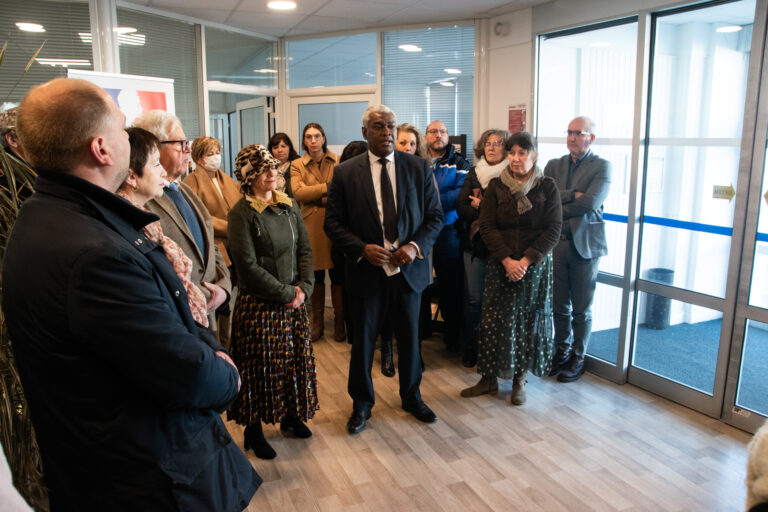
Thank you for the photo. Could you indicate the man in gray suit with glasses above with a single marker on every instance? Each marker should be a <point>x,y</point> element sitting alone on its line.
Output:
<point>583,179</point>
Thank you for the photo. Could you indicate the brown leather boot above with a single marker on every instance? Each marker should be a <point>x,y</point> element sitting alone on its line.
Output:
<point>487,385</point>
<point>337,297</point>
<point>518,390</point>
<point>318,308</point>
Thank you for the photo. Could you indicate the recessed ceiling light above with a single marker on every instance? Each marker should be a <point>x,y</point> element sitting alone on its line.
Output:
<point>30,27</point>
<point>409,48</point>
<point>265,70</point>
<point>452,71</point>
<point>125,30</point>
<point>729,28</point>
<point>448,84</point>
<point>600,44</point>
<point>281,5</point>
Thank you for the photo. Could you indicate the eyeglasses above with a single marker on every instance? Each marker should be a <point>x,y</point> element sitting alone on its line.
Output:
<point>576,133</point>
<point>183,144</point>
<point>495,144</point>
<point>435,131</point>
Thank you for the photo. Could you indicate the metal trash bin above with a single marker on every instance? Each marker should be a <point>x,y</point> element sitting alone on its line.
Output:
<point>657,308</point>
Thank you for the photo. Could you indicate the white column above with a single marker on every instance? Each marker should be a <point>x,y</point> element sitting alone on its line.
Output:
<point>106,57</point>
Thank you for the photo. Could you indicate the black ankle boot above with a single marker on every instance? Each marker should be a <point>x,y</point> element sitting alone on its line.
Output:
<point>560,362</point>
<point>295,427</point>
<point>253,439</point>
<point>387,364</point>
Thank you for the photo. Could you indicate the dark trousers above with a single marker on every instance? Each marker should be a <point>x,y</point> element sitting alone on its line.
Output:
<point>397,299</point>
<point>575,280</point>
<point>474,284</point>
<point>449,268</point>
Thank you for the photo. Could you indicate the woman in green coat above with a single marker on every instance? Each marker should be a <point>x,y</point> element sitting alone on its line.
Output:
<point>270,331</point>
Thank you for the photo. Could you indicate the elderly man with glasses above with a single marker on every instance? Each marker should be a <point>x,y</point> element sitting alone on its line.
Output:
<point>583,179</point>
<point>450,169</point>
<point>185,219</point>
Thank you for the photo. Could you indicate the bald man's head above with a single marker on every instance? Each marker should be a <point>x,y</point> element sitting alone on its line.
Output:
<point>58,119</point>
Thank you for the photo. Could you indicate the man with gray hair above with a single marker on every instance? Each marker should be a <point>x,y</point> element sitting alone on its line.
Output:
<point>384,212</point>
<point>185,219</point>
<point>583,179</point>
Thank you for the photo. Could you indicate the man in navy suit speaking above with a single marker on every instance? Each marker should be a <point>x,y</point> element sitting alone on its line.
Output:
<point>384,212</point>
<point>583,180</point>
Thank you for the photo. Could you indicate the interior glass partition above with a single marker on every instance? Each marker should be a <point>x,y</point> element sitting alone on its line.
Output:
<point>591,72</point>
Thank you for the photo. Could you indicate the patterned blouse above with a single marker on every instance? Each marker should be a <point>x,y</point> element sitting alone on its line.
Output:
<point>181,264</point>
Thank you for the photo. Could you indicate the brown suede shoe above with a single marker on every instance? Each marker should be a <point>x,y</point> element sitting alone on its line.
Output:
<point>487,385</point>
<point>518,391</point>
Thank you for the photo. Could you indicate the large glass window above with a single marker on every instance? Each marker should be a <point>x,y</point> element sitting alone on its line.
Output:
<point>65,28</point>
<point>239,58</point>
<point>699,79</point>
<point>591,72</point>
<point>167,50</point>
<point>428,74</point>
<point>331,61</point>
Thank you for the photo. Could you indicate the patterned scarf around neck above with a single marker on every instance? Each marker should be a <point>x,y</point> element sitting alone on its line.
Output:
<point>520,190</point>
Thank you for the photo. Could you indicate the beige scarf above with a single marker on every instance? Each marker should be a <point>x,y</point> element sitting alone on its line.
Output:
<point>520,190</point>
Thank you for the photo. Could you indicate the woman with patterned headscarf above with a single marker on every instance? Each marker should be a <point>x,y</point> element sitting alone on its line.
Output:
<point>270,330</point>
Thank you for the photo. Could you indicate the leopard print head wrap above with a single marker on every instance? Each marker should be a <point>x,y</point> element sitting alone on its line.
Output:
<point>252,161</point>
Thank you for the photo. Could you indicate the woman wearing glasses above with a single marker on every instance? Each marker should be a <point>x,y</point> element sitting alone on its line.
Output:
<point>310,176</point>
<point>491,160</point>
<point>520,222</point>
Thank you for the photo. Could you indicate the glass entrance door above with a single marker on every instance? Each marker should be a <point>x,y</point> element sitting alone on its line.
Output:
<point>746,396</point>
<point>692,191</point>
<point>253,121</point>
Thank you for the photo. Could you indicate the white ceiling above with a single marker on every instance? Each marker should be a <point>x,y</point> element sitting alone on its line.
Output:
<point>316,16</point>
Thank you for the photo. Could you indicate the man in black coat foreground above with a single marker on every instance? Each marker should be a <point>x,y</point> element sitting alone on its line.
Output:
<point>125,390</point>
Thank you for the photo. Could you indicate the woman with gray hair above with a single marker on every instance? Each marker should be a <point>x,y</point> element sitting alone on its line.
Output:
<point>520,222</point>
<point>270,330</point>
<point>491,160</point>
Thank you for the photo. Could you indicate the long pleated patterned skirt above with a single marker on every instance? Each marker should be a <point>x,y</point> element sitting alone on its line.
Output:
<point>271,347</point>
<point>516,331</point>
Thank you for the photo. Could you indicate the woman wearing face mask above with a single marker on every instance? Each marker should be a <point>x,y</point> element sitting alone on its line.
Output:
<point>491,158</point>
<point>520,220</point>
<point>216,190</point>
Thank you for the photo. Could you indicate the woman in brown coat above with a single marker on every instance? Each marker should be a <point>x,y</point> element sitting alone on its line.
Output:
<point>310,176</point>
<point>216,190</point>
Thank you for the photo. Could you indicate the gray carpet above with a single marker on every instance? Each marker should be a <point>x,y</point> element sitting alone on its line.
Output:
<point>686,353</point>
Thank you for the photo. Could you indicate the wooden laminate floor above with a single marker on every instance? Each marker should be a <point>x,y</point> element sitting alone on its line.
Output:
<point>585,446</point>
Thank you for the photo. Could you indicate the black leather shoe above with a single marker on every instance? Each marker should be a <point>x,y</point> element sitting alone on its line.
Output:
<point>559,362</point>
<point>574,371</point>
<point>470,358</point>
<point>356,422</point>
<point>421,412</point>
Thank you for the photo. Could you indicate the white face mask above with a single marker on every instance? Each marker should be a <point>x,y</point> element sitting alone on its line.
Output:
<point>212,163</point>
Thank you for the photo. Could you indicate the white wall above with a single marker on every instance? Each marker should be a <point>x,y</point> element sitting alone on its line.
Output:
<point>511,56</point>
<point>511,68</point>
